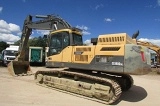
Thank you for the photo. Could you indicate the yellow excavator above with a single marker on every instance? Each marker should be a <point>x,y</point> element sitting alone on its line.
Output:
<point>151,46</point>
<point>100,71</point>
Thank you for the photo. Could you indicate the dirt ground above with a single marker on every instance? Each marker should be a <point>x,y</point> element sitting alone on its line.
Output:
<point>23,91</point>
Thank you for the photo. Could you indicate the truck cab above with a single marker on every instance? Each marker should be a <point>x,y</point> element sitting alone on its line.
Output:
<point>9,54</point>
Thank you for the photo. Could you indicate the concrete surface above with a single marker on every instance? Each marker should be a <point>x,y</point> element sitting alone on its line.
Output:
<point>23,91</point>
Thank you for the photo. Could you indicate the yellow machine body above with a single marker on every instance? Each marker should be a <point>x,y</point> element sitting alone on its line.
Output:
<point>115,53</point>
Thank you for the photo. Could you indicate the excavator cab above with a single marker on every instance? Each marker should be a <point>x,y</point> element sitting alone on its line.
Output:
<point>60,39</point>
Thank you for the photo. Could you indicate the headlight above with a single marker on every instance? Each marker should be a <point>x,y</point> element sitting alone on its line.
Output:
<point>5,58</point>
<point>102,59</point>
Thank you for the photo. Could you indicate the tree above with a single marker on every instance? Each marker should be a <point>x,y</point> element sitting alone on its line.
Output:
<point>17,43</point>
<point>3,45</point>
<point>36,41</point>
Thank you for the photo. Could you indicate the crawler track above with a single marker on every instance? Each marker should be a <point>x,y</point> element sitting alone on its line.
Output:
<point>124,80</point>
<point>96,88</point>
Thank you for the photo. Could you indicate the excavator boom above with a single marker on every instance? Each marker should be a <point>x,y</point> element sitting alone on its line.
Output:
<point>151,46</point>
<point>48,22</point>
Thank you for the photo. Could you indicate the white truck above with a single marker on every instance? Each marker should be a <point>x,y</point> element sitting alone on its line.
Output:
<point>9,54</point>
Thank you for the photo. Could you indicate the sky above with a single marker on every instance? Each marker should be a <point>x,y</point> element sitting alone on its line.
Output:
<point>94,17</point>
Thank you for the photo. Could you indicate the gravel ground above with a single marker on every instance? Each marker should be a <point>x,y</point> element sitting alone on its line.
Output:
<point>23,91</point>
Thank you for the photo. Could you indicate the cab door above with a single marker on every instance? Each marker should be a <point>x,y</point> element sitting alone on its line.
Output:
<point>67,49</point>
<point>55,48</point>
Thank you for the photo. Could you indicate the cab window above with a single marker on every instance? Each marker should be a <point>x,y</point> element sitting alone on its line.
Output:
<point>77,39</point>
<point>58,42</point>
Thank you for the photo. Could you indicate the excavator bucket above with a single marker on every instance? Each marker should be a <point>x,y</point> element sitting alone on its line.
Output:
<point>19,68</point>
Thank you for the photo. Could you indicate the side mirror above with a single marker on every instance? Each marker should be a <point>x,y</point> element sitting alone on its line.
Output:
<point>94,41</point>
<point>45,37</point>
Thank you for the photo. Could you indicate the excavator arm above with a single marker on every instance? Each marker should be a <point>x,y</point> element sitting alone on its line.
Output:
<point>152,47</point>
<point>148,45</point>
<point>48,22</point>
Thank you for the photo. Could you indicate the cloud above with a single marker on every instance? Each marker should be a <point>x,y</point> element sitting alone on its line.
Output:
<point>88,42</point>
<point>9,32</point>
<point>8,37</point>
<point>98,6</point>
<point>9,27</point>
<point>154,5</point>
<point>1,8</point>
<point>108,20</point>
<point>86,33</point>
<point>3,24</point>
<point>14,27</point>
<point>84,29</point>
